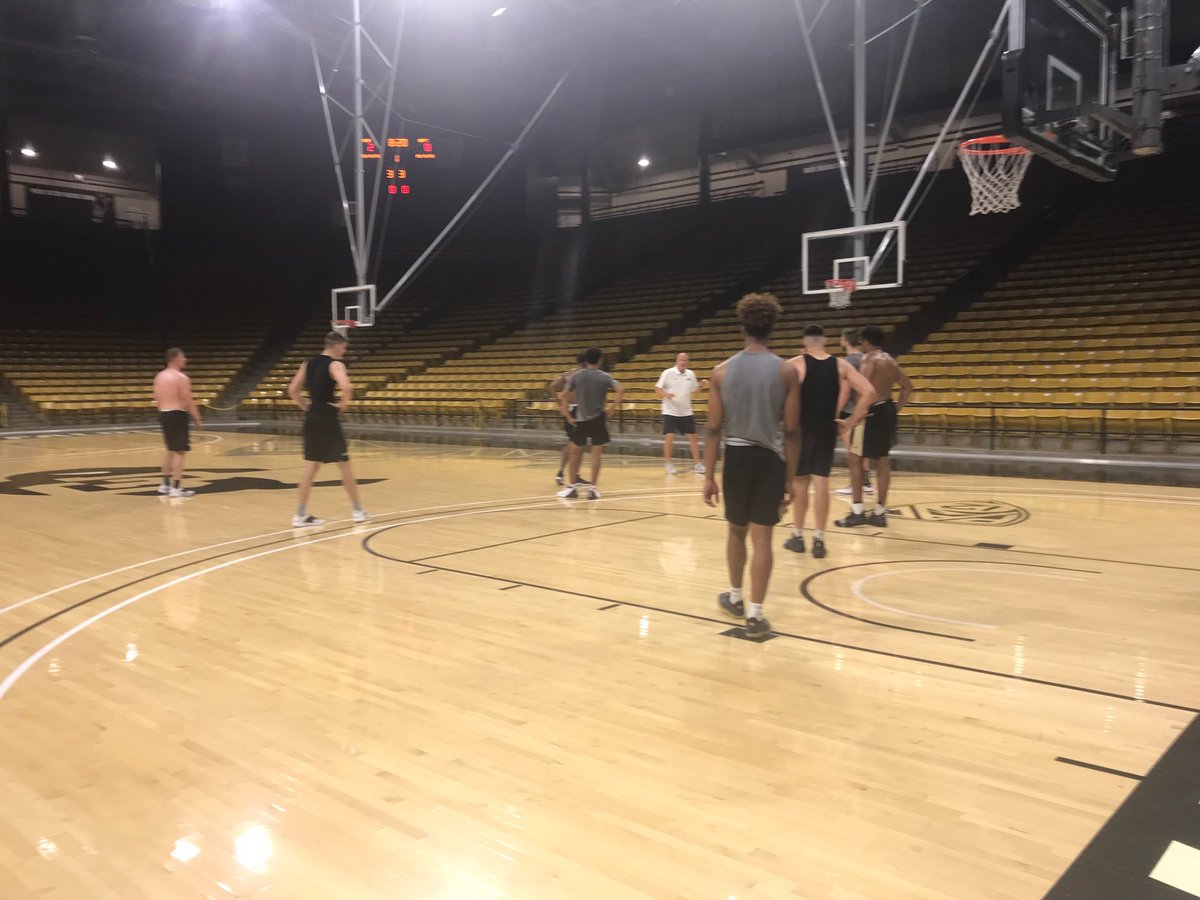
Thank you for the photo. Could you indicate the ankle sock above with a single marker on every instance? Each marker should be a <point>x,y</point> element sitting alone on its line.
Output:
<point>754,611</point>
<point>856,508</point>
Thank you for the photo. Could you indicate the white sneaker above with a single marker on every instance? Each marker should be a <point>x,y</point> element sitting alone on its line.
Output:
<point>670,468</point>
<point>164,489</point>
<point>299,521</point>
<point>568,493</point>
<point>699,469</point>
<point>867,489</point>
<point>846,491</point>
<point>593,494</point>
<point>360,515</point>
<point>181,492</point>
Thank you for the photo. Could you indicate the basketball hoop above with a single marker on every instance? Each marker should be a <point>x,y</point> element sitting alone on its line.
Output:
<point>995,169</point>
<point>840,290</point>
<point>343,326</point>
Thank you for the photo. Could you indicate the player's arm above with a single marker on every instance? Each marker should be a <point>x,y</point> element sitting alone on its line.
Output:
<point>296,389</point>
<point>906,387</point>
<point>791,424</point>
<point>189,402</point>
<point>619,391</point>
<point>565,399</point>
<point>554,387</point>
<point>852,378</point>
<point>715,427</point>
<point>337,370</point>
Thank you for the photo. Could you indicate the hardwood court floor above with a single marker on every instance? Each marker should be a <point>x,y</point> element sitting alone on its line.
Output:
<point>487,692</point>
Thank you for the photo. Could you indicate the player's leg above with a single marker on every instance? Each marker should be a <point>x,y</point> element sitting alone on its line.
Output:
<point>760,575</point>
<point>883,481</point>
<point>820,487</point>
<point>697,466</point>
<point>770,479</point>
<point>168,472</point>
<point>597,462</point>
<point>736,485</point>
<point>350,483</point>
<point>668,447</point>
<point>800,484</point>
<point>735,559</point>
<point>565,461</point>
<point>307,477</point>
<point>574,455</point>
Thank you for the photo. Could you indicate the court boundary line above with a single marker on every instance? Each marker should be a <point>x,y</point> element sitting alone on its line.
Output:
<point>16,674</point>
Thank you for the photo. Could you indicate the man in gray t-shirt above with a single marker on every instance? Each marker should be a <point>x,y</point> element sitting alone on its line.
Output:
<point>587,390</point>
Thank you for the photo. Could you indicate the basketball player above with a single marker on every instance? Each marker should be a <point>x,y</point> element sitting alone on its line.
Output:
<point>879,430</point>
<point>587,390</point>
<point>852,348</point>
<point>676,386</point>
<point>554,388</point>
<point>323,438</point>
<point>752,396</point>
<point>823,381</point>
<point>173,397</point>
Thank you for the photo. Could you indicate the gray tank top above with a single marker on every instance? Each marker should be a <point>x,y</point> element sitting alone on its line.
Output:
<point>752,396</point>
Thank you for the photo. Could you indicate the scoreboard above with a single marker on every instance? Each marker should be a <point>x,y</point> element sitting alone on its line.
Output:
<point>399,156</point>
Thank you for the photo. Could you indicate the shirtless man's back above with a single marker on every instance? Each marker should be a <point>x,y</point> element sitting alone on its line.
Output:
<point>173,397</point>
<point>879,430</point>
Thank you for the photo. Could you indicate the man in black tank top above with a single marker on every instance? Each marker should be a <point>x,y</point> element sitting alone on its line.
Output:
<point>823,379</point>
<point>323,438</point>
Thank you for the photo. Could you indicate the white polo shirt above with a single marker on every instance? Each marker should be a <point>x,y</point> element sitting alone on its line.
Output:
<point>682,385</point>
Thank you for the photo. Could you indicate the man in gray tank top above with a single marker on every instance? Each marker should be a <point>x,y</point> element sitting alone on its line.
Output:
<point>754,404</point>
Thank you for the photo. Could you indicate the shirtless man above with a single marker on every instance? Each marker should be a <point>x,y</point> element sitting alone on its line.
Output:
<point>879,431</point>
<point>824,381</point>
<point>173,397</point>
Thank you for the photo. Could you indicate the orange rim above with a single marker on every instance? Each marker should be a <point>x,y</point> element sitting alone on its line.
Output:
<point>979,147</point>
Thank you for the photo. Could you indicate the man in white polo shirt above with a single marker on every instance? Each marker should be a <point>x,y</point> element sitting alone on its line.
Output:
<point>676,386</point>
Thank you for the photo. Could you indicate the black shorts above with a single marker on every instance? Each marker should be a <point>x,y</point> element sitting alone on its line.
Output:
<point>594,430</point>
<point>175,424</point>
<point>817,443</point>
<point>323,438</point>
<point>879,434</point>
<point>753,481</point>
<point>567,426</point>
<point>679,424</point>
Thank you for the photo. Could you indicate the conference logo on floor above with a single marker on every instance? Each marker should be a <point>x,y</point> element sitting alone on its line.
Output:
<point>143,481</point>
<point>995,513</point>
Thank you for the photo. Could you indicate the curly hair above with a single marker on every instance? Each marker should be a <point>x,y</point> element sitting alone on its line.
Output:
<point>759,313</point>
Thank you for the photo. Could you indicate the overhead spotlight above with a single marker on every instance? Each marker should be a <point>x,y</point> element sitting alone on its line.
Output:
<point>28,151</point>
<point>109,163</point>
<point>499,12</point>
<point>643,162</point>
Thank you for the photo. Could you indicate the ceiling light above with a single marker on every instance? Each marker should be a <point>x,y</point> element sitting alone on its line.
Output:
<point>500,11</point>
<point>28,150</point>
<point>644,162</point>
<point>109,163</point>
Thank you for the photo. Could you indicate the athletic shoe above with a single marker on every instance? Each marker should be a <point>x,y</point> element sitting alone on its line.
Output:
<point>558,478</point>
<point>299,521</point>
<point>737,610</point>
<point>757,628</point>
<point>699,468</point>
<point>849,491</point>
<point>671,470</point>
<point>851,520</point>
<point>879,520</point>
<point>164,489</point>
<point>795,543</point>
<point>582,482</point>
<point>360,515</point>
<point>568,493</point>
<point>593,494</point>
<point>181,492</point>
<point>818,548</point>
<point>867,489</point>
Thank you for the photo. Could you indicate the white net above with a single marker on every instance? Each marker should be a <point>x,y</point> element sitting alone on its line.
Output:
<point>840,290</point>
<point>995,171</point>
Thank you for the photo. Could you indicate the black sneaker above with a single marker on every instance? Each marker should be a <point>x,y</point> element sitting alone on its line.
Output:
<point>879,520</point>
<point>737,610</point>
<point>582,482</point>
<point>795,543</point>
<point>558,478</point>
<point>852,520</point>
<point>818,548</point>
<point>757,628</point>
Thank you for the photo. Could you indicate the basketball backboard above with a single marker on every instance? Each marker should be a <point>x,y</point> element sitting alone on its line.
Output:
<point>872,255</point>
<point>1059,81</point>
<point>353,304</point>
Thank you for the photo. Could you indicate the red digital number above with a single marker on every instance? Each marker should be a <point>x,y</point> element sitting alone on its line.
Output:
<point>391,189</point>
<point>404,188</point>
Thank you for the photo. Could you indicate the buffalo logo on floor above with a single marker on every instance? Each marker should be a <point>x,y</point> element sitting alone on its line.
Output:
<point>996,513</point>
<point>143,481</point>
